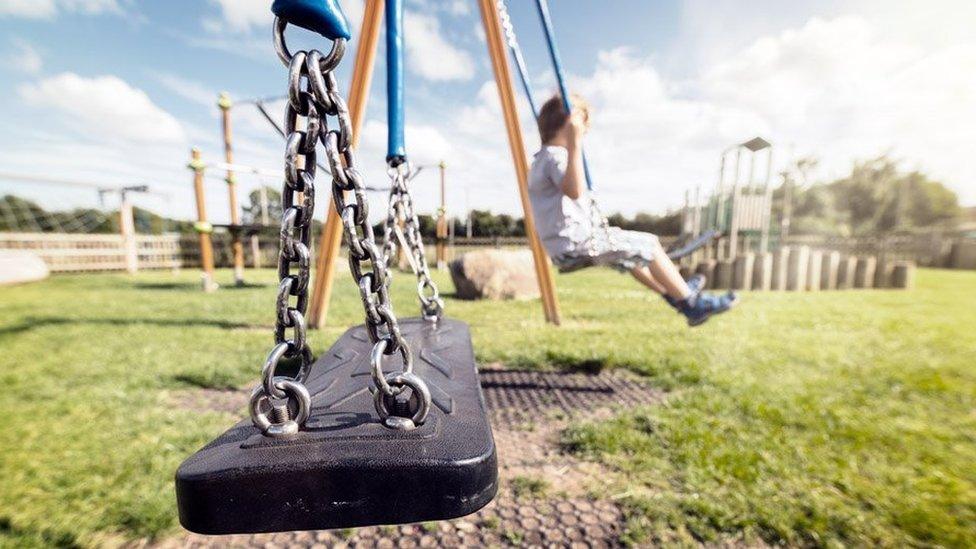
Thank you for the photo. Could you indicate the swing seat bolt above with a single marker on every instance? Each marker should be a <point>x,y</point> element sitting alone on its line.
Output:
<point>400,423</point>
<point>289,427</point>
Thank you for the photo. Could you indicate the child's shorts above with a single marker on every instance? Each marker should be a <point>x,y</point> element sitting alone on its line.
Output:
<point>623,250</point>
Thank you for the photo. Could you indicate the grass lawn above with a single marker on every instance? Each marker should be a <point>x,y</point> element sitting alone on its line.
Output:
<point>803,419</point>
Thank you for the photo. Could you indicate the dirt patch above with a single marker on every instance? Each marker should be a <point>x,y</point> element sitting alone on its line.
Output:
<point>215,400</point>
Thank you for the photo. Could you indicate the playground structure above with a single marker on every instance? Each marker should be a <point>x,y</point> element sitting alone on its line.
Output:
<point>741,211</point>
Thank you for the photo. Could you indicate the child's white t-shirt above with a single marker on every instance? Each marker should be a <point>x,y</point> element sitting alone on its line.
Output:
<point>563,224</point>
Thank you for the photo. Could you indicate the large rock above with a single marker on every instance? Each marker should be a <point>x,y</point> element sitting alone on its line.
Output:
<point>18,266</point>
<point>495,274</point>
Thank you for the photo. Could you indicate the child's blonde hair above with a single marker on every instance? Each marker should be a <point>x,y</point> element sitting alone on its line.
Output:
<point>552,115</point>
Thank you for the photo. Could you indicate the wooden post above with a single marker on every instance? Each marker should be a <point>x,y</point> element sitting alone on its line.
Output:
<point>506,93</point>
<point>828,270</point>
<point>202,226</point>
<point>903,275</point>
<point>127,228</point>
<point>442,222</point>
<point>255,239</point>
<point>224,102</point>
<point>864,272</point>
<point>796,273</point>
<point>781,260</point>
<point>736,206</point>
<point>762,272</point>
<point>742,267</point>
<point>767,205</point>
<point>331,238</point>
<point>845,272</point>
<point>814,267</point>
<point>723,275</point>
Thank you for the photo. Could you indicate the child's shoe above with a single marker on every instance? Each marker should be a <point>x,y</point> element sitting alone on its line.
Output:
<point>696,283</point>
<point>699,308</point>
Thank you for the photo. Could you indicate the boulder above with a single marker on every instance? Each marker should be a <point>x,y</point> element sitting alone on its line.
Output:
<point>495,274</point>
<point>18,266</point>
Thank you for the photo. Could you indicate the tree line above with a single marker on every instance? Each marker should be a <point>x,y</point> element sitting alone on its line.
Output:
<point>876,197</point>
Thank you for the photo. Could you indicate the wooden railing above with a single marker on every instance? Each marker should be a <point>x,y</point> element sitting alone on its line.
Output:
<point>106,252</point>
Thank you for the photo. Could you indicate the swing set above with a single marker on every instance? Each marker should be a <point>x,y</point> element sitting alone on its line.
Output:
<point>388,425</point>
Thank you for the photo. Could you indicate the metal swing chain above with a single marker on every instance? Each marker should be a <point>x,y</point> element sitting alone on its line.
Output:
<point>400,207</point>
<point>313,93</point>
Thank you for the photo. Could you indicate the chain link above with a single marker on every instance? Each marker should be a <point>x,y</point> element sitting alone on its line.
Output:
<point>400,210</point>
<point>313,96</point>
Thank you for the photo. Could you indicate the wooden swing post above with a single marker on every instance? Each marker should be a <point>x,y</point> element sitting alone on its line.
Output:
<point>503,78</point>
<point>224,103</point>
<point>442,221</point>
<point>202,226</point>
<point>331,239</point>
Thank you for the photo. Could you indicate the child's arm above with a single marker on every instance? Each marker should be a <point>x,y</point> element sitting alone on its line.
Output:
<point>573,182</point>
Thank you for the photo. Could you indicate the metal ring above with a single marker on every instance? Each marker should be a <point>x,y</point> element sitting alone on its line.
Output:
<point>291,390</point>
<point>279,351</point>
<point>329,62</point>
<point>376,365</point>
<point>421,398</point>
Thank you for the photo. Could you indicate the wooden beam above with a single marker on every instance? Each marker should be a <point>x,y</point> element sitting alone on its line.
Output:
<point>203,226</point>
<point>224,103</point>
<point>331,239</point>
<point>503,78</point>
<point>442,221</point>
<point>127,228</point>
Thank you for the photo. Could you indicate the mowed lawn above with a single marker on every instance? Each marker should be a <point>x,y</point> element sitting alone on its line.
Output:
<point>800,419</point>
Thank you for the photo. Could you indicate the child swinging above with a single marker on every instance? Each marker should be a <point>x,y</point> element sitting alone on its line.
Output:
<point>567,229</point>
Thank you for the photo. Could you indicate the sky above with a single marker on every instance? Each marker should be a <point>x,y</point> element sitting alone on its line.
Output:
<point>118,91</point>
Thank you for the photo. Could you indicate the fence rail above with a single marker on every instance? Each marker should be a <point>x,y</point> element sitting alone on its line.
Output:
<point>106,252</point>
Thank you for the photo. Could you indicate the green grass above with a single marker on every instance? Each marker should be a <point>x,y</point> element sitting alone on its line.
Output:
<point>529,486</point>
<point>807,419</point>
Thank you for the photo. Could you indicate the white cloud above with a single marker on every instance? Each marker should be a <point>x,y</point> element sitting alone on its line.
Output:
<point>104,108</point>
<point>841,90</point>
<point>187,89</point>
<point>247,15</point>
<point>242,15</point>
<point>91,6</point>
<point>34,9</point>
<point>835,88</point>
<point>24,58</point>
<point>458,7</point>
<point>429,54</point>
<point>46,9</point>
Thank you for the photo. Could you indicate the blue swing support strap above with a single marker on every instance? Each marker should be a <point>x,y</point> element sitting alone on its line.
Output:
<point>557,66</point>
<point>321,16</point>
<point>396,149</point>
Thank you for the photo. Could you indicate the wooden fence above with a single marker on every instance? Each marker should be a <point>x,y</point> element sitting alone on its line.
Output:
<point>106,252</point>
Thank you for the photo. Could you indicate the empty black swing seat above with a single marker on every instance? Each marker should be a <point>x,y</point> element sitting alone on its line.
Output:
<point>345,468</point>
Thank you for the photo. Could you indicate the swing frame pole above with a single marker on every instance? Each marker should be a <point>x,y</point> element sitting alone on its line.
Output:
<point>224,103</point>
<point>331,239</point>
<point>506,93</point>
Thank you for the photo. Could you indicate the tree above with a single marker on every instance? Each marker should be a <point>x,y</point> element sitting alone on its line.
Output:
<point>252,210</point>
<point>876,197</point>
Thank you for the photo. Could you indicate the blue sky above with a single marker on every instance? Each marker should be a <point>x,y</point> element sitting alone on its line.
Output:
<point>118,90</point>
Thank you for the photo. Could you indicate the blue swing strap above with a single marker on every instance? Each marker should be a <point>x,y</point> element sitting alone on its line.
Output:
<point>396,149</point>
<point>322,16</point>
<point>557,66</point>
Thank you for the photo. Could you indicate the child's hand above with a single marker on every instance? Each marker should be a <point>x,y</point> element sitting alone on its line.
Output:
<point>576,125</point>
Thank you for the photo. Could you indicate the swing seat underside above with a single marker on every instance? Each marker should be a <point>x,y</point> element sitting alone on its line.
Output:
<point>345,469</point>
